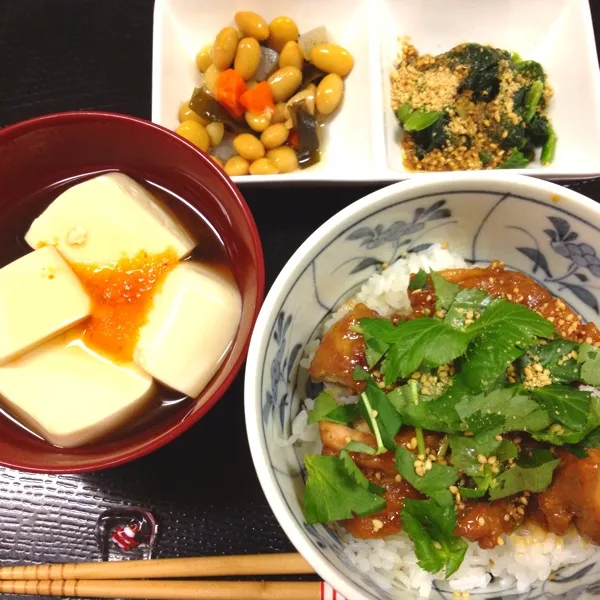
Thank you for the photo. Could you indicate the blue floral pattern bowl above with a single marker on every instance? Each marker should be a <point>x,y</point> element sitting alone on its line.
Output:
<point>542,229</point>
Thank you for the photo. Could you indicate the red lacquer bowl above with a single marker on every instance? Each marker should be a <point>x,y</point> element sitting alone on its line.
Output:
<point>37,153</point>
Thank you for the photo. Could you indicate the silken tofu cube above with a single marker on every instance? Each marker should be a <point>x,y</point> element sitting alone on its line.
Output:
<point>40,297</point>
<point>106,218</point>
<point>71,395</point>
<point>193,320</point>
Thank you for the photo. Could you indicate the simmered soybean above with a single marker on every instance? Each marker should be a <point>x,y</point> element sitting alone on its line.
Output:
<point>284,158</point>
<point>329,93</point>
<point>281,31</point>
<point>332,58</point>
<point>204,58</point>
<point>263,166</point>
<point>291,55</point>
<point>195,133</point>
<point>237,165</point>
<point>224,48</point>
<point>248,146</point>
<point>285,82</point>
<point>252,25</point>
<point>258,122</point>
<point>210,79</point>
<point>187,114</point>
<point>274,136</point>
<point>247,57</point>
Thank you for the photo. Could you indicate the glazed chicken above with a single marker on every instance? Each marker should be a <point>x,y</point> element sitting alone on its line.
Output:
<point>341,349</point>
<point>518,288</point>
<point>572,498</point>
<point>381,470</point>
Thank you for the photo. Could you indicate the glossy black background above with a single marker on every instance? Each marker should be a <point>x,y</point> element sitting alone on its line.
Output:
<point>58,55</point>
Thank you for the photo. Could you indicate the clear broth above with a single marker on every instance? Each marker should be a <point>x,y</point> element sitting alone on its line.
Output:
<point>210,250</point>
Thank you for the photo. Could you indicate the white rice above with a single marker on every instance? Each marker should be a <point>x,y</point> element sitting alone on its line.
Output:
<point>385,292</point>
<point>528,555</point>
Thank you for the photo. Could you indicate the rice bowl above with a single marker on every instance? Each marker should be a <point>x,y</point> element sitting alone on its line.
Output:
<point>481,217</point>
<point>530,554</point>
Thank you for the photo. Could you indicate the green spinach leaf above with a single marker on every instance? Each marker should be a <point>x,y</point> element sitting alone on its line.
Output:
<point>515,160</point>
<point>421,119</point>
<point>404,112</point>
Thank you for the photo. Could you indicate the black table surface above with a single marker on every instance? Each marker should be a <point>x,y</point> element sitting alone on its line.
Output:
<point>58,55</point>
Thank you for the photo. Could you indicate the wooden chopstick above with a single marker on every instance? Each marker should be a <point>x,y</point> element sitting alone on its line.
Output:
<point>205,566</point>
<point>169,590</point>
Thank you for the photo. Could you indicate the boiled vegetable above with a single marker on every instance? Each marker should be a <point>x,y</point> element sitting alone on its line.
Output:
<point>206,107</point>
<point>258,99</point>
<point>307,128</point>
<point>269,62</point>
<point>228,89</point>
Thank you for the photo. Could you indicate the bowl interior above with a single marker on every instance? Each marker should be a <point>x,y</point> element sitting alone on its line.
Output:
<point>548,232</point>
<point>41,152</point>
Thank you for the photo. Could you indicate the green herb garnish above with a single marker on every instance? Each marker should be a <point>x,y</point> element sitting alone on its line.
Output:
<point>467,305</point>
<point>445,291</point>
<point>431,528</point>
<point>356,446</point>
<point>533,473</point>
<point>433,482</point>
<point>555,356</point>
<point>376,409</point>
<point>589,360</point>
<point>517,410</point>
<point>336,489</point>
<point>506,331</point>
<point>415,341</point>
<point>418,280</point>
<point>565,404</point>
<point>327,409</point>
<point>475,401</point>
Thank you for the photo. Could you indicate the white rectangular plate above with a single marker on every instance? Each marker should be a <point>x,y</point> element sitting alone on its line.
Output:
<point>361,141</point>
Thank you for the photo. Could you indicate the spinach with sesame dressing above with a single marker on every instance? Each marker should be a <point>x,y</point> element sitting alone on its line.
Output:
<point>473,107</point>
